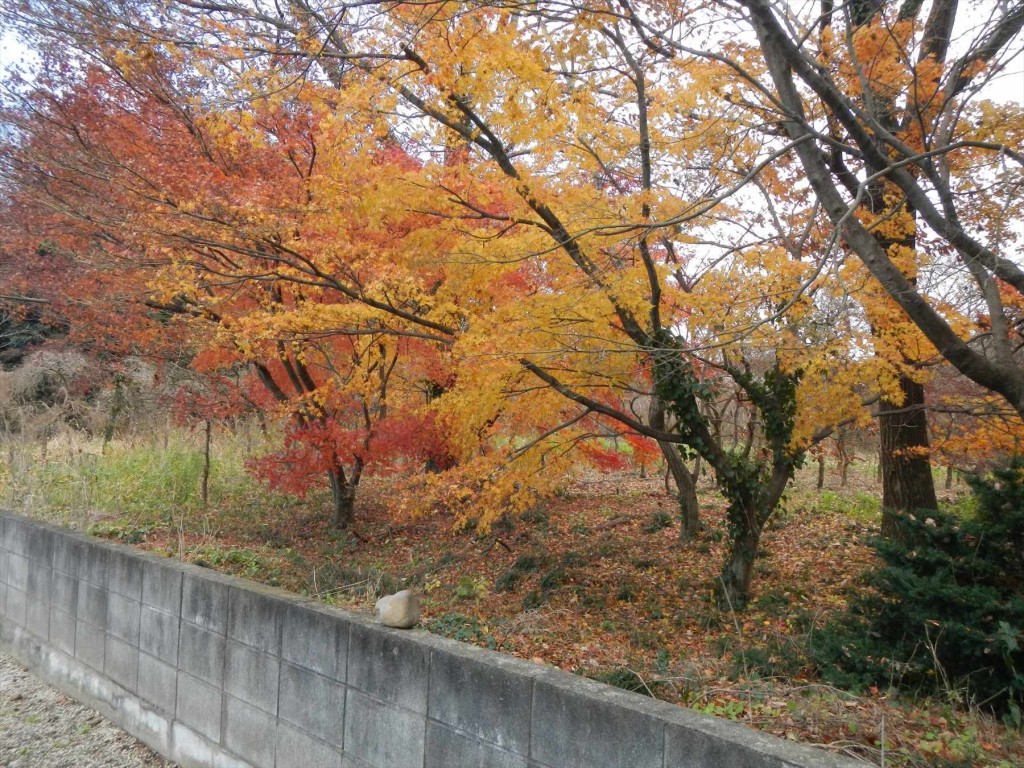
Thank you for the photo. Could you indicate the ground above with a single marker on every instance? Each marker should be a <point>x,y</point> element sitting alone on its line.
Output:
<point>595,582</point>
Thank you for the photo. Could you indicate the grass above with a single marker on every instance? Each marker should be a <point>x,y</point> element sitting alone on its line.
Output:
<point>621,603</point>
<point>139,485</point>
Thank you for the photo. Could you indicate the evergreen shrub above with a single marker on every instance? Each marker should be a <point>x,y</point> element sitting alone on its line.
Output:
<point>945,611</point>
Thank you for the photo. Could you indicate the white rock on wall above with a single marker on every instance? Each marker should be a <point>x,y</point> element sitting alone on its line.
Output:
<point>401,610</point>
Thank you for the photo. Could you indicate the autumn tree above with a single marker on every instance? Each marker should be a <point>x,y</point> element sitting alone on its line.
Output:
<point>592,224</point>
<point>900,95</point>
<point>187,221</point>
<point>592,202</point>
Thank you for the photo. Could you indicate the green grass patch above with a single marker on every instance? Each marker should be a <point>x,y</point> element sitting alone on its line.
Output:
<point>863,507</point>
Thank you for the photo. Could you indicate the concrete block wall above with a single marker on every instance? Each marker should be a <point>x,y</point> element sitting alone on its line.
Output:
<point>217,672</point>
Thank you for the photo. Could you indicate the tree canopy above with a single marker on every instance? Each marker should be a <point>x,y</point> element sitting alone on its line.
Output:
<point>471,237</point>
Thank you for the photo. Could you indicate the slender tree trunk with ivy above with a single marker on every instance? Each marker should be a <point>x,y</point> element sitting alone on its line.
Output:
<point>752,487</point>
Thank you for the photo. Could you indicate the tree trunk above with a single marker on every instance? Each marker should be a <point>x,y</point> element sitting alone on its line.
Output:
<point>343,498</point>
<point>204,488</point>
<point>821,472</point>
<point>747,520</point>
<point>844,458</point>
<point>949,478</point>
<point>907,482</point>
<point>686,486</point>
<point>686,481</point>
<point>733,588</point>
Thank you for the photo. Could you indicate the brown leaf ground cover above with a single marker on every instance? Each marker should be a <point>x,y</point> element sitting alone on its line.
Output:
<point>595,582</point>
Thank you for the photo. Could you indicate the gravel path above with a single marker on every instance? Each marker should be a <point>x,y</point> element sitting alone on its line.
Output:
<point>40,727</point>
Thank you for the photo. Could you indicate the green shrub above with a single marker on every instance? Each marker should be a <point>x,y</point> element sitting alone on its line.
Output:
<point>946,609</point>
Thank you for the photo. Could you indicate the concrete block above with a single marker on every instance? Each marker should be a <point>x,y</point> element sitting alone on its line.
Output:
<point>252,676</point>
<point>39,580</point>
<point>121,663</point>
<point>3,596</point>
<point>62,630</point>
<point>90,644</point>
<point>204,601</point>
<point>255,619</point>
<point>161,586</point>
<point>158,634</point>
<point>250,733</point>
<point>37,613</point>
<point>158,683</point>
<point>4,558</point>
<point>576,722</point>
<point>146,723</point>
<point>383,735</point>
<point>189,748</point>
<point>199,706</point>
<point>125,574</point>
<point>17,572</point>
<point>39,546</point>
<point>201,654</point>
<point>17,605</point>
<point>123,618</point>
<point>37,594</point>
<point>315,640</point>
<point>92,605</point>
<point>483,694</point>
<point>93,567</point>
<point>389,665</point>
<point>313,702</point>
<point>446,748</point>
<point>222,759</point>
<point>64,592</point>
<point>14,534</point>
<point>693,740</point>
<point>296,749</point>
<point>68,553</point>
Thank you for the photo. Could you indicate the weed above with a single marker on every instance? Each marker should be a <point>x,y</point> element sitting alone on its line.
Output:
<point>592,600</point>
<point>773,601</point>
<point>125,532</point>
<point>627,591</point>
<point>537,516</point>
<point>465,629</point>
<point>659,521</point>
<point>573,559</point>
<point>471,588</point>
<point>552,580</point>
<point>730,710</point>
<point>626,679</point>
<point>534,599</point>
<point>239,561</point>
<point>518,571</point>
<point>332,580</point>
